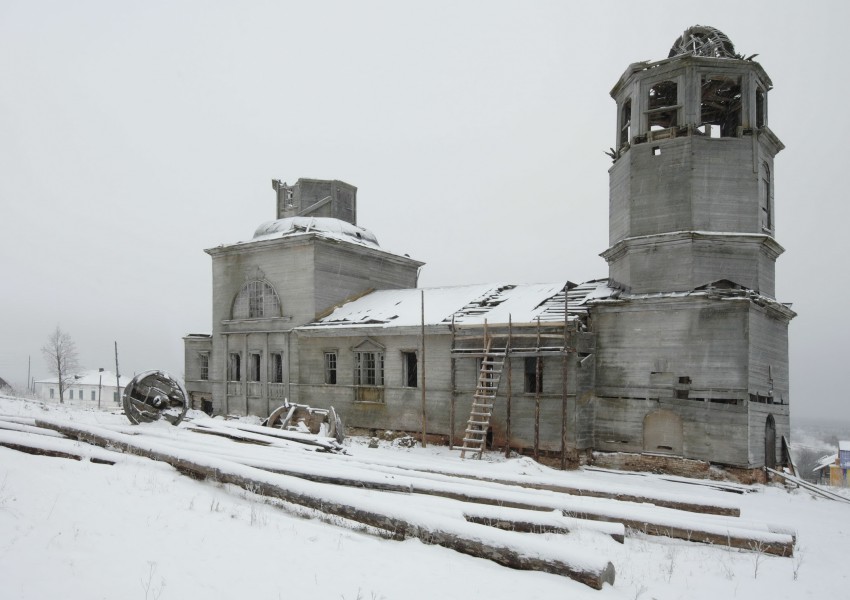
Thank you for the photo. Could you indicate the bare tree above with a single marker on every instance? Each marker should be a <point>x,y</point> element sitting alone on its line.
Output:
<point>60,352</point>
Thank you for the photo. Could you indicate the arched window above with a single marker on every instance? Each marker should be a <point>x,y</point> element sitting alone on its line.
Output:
<point>256,299</point>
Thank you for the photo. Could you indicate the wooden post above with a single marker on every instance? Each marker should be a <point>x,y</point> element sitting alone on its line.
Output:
<point>454,387</point>
<point>508,403</point>
<point>117,375</point>
<point>422,368</point>
<point>537,368</point>
<point>566,388</point>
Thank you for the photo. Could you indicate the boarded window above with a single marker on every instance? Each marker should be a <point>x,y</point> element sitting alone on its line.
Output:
<point>662,433</point>
<point>234,367</point>
<point>253,367</point>
<point>409,375</point>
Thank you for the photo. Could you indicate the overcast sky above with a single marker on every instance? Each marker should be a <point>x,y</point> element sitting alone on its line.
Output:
<point>133,135</point>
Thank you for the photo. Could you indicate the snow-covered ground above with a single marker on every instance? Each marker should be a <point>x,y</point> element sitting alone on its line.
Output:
<point>139,529</point>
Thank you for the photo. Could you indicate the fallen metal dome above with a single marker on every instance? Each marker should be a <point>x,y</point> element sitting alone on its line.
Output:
<point>155,395</point>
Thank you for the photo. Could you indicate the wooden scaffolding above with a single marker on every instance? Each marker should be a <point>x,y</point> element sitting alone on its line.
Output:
<point>494,347</point>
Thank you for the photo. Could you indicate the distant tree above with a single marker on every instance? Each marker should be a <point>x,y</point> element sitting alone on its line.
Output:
<point>60,352</point>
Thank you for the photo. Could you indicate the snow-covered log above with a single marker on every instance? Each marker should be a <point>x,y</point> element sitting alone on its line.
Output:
<point>503,547</point>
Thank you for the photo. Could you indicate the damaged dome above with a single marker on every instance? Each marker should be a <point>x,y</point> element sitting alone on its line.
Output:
<point>701,40</point>
<point>329,227</point>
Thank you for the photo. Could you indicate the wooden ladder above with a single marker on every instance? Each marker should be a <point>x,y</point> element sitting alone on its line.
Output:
<point>475,436</point>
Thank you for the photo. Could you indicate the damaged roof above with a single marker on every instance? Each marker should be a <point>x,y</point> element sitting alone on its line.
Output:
<point>466,305</point>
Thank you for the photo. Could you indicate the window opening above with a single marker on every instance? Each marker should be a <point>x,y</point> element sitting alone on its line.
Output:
<point>256,300</point>
<point>234,367</point>
<point>720,107</point>
<point>330,368</point>
<point>656,151</point>
<point>205,366</point>
<point>51,393</point>
<point>369,368</point>
<point>766,191</point>
<point>663,109</point>
<point>253,367</point>
<point>761,115</point>
<point>533,376</point>
<point>93,396</point>
<point>277,367</point>
<point>626,122</point>
<point>410,376</point>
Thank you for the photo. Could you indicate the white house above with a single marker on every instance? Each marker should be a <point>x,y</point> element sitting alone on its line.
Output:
<point>90,388</point>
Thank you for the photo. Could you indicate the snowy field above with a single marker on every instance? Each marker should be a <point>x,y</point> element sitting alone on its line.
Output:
<point>140,529</point>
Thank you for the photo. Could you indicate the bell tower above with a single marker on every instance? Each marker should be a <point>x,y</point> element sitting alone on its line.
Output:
<point>691,188</point>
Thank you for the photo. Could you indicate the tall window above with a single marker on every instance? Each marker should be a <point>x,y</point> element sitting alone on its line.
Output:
<point>330,368</point>
<point>51,393</point>
<point>409,374</point>
<point>205,365</point>
<point>93,397</point>
<point>765,193</point>
<point>626,122</point>
<point>234,367</point>
<point>277,367</point>
<point>256,299</point>
<point>254,366</point>
<point>369,368</point>
<point>720,108</point>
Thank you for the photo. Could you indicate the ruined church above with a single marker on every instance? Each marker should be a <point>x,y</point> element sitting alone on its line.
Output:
<point>680,352</point>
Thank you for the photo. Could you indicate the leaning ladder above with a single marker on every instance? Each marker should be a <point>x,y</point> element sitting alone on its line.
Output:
<point>475,436</point>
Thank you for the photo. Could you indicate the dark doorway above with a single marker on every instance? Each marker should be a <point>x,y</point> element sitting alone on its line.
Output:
<point>770,442</point>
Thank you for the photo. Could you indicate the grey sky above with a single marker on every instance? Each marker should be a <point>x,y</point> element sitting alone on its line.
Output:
<point>135,134</point>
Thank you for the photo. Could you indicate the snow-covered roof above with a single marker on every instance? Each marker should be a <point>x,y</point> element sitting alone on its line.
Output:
<point>825,461</point>
<point>92,377</point>
<point>468,304</point>
<point>322,226</point>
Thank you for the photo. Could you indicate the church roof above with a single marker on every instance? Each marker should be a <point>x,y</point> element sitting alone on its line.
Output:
<point>466,305</point>
<point>322,226</point>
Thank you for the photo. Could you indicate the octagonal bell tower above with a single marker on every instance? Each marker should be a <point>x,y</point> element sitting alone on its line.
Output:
<point>691,188</point>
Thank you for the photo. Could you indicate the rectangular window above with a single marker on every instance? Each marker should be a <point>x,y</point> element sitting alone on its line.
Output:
<point>234,367</point>
<point>254,366</point>
<point>70,394</point>
<point>330,368</point>
<point>277,367</point>
<point>533,375</point>
<point>51,393</point>
<point>409,374</point>
<point>93,395</point>
<point>369,368</point>
<point>720,107</point>
<point>205,365</point>
<point>115,396</point>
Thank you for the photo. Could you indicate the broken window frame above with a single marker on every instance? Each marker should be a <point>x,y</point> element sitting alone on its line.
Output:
<point>726,112</point>
<point>409,369</point>
<point>331,364</point>
<point>662,105</point>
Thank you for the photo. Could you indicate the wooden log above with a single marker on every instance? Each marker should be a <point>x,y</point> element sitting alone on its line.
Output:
<point>440,531</point>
